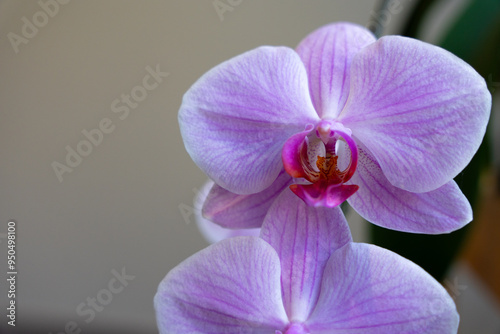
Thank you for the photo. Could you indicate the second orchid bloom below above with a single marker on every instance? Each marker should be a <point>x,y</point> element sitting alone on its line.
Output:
<point>303,275</point>
<point>384,124</point>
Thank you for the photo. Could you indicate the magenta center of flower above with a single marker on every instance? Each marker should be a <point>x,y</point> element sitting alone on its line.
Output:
<point>326,156</point>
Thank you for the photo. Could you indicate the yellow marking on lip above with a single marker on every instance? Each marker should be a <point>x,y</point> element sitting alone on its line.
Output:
<point>328,168</point>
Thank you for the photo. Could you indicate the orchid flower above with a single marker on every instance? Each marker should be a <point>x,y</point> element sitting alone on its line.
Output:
<point>303,275</point>
<point>384,124</point>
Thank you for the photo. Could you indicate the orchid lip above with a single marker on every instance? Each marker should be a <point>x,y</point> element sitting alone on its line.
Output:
<point>316,155</point>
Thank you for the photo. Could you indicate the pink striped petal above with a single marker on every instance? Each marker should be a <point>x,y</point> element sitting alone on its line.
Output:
<point>442,210</point>
<point>230,287</point>
<point>235,211</point>
<point>235,119</point>
<point>211,231</point>
<point>370,290</point>
<point>327,54</point>
<point>419,109</point>
<point>304,238</point>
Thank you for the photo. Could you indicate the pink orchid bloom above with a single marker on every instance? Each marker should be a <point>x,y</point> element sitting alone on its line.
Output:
<point>384,124</point>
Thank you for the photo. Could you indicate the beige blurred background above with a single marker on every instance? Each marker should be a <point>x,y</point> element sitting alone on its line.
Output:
<point>128,204</point>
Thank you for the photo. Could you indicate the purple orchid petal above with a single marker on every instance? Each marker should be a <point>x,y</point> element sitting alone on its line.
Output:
<point>230,287</point>
<point>368,289</point>
<point>304,238</point>
<point>442,210</point>
<point>327,54</point>
<point>235,119</point>
<point>211,231</point>
<point>242,211</point>
<point>419,109</point>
